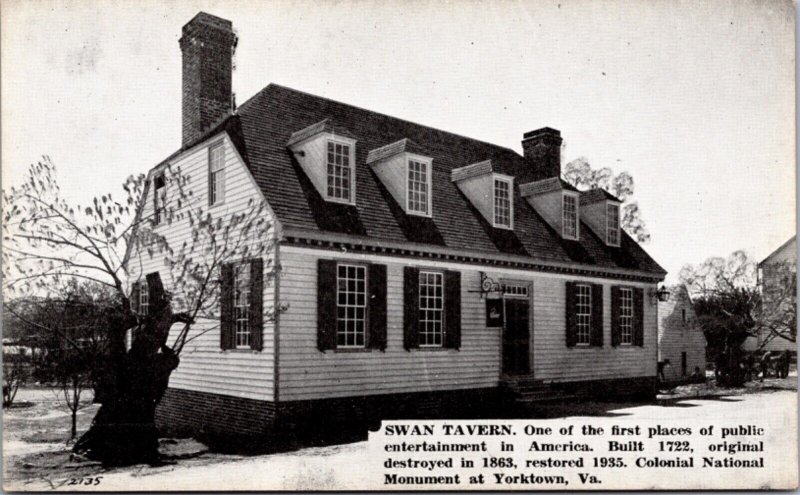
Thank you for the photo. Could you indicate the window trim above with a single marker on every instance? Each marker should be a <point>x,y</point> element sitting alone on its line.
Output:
<point>211,148</point>
<point>365,345</point>
<point>610,204</point>
<point>574,196</point>
<point>409,157</point>
<point>588,343</point>
<point>622,291</point>
<point>351,143</point>
<point>443,310</point>
<point>237,265</point>
<point>510,181</point>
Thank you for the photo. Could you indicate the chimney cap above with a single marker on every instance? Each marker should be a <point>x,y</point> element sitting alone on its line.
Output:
<point>210,20</point>
<point>544,131</point>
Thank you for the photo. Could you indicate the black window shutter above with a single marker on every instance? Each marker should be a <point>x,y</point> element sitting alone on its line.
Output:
<point>572,329</point>
<point>616,329</point>
<point>155,292</point>
<point>135,288</point>
<point>411,307</point>
<point>596,336</point>
<point>326,305</point>
<point>638,317</point>
<point>452,309</point>
<point>377,307</point>
<point>256,315</point>
<point>227,332</point>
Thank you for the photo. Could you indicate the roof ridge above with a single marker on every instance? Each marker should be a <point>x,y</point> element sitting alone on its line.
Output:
<point>374,112</point>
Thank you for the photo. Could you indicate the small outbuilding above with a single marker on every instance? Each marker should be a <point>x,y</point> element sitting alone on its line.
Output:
<point>680,338</point>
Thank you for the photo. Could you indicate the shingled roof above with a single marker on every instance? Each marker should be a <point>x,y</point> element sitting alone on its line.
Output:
<point>262,127</point>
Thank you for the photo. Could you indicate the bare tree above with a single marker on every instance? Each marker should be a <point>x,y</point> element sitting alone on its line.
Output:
<point>777,316</point>
<point>47,240</point>
<point>727,304</point>
<point>580,174</point>
<point>16,372</point>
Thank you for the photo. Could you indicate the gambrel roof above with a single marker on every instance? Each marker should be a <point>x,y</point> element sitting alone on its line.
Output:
<point>262,127</point>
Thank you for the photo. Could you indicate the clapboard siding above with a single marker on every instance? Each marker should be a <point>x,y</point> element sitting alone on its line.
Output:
<point>677,335</point>
<point>554,361</point>
<point>306,373</point>
<point>204,366</point>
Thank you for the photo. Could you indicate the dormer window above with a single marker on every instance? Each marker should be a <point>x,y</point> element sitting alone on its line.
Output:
<point>569,226</point>
<point>419,187</point>
<point>407,172</point>
<point>612,224</point>
<point>326,153</point>
<point>341,176</point>
<point>503,207</point>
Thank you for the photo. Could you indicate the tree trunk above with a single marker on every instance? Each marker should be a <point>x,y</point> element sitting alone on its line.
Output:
<point>74,424</point>
<point>129,387</point>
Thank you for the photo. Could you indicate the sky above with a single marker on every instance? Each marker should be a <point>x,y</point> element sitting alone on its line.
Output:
<point>694,99</point>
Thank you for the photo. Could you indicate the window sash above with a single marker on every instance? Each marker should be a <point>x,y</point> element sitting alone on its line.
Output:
<point>340,171</point>
<point>570,217</point>
<point>626,316</point>
<point>502,203</point>
<point>216,167</point>
<point>351,306</point>
<point>217,186</point>
<point>419,177</point>
<point>144,298</point>
<point>583,313</point>
<point>431,309</point>
<point>612,224</point>
<point>159,198</point>
<point>241,304</point>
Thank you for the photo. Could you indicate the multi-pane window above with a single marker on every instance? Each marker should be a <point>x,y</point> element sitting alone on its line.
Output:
<point>144,297</point>
<point>583,310</point>
<point>241,303</point>
<point>570,223</point>
<point>159,198</point>
<point>502,203</point>
<point>351,305</point>
<point>515,290</point>
<point>216,174</point>
<point>418,184</point>
<point>339,171</point>
<point>612,224</point>
<point>626,315</point>
<point>431,309</point>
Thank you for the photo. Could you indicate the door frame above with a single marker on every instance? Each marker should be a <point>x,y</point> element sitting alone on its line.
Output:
<point>528,284</point>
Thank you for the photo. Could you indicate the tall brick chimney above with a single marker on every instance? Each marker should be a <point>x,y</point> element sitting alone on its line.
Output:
<point>542,150</point>
<point>208,43</point>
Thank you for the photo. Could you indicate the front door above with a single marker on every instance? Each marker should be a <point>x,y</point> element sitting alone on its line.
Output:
<point>516,337</point>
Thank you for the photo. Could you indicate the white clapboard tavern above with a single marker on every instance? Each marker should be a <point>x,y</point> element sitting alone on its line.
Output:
<point>422,272</point>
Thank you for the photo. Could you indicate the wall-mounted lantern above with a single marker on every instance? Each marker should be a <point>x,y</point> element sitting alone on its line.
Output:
<point>662,294</point>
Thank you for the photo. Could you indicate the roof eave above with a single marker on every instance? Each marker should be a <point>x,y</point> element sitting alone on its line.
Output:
<point>332,237</point>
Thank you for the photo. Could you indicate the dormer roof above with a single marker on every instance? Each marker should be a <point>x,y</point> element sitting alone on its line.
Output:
<point>402,146</point>
<point>470,171</point>
<point>545,186</point>
<point>325,126</point>
<point>597,194</point>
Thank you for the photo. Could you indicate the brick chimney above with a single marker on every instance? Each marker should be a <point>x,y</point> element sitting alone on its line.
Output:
<point>208,43</point>
<point>542,150</point>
